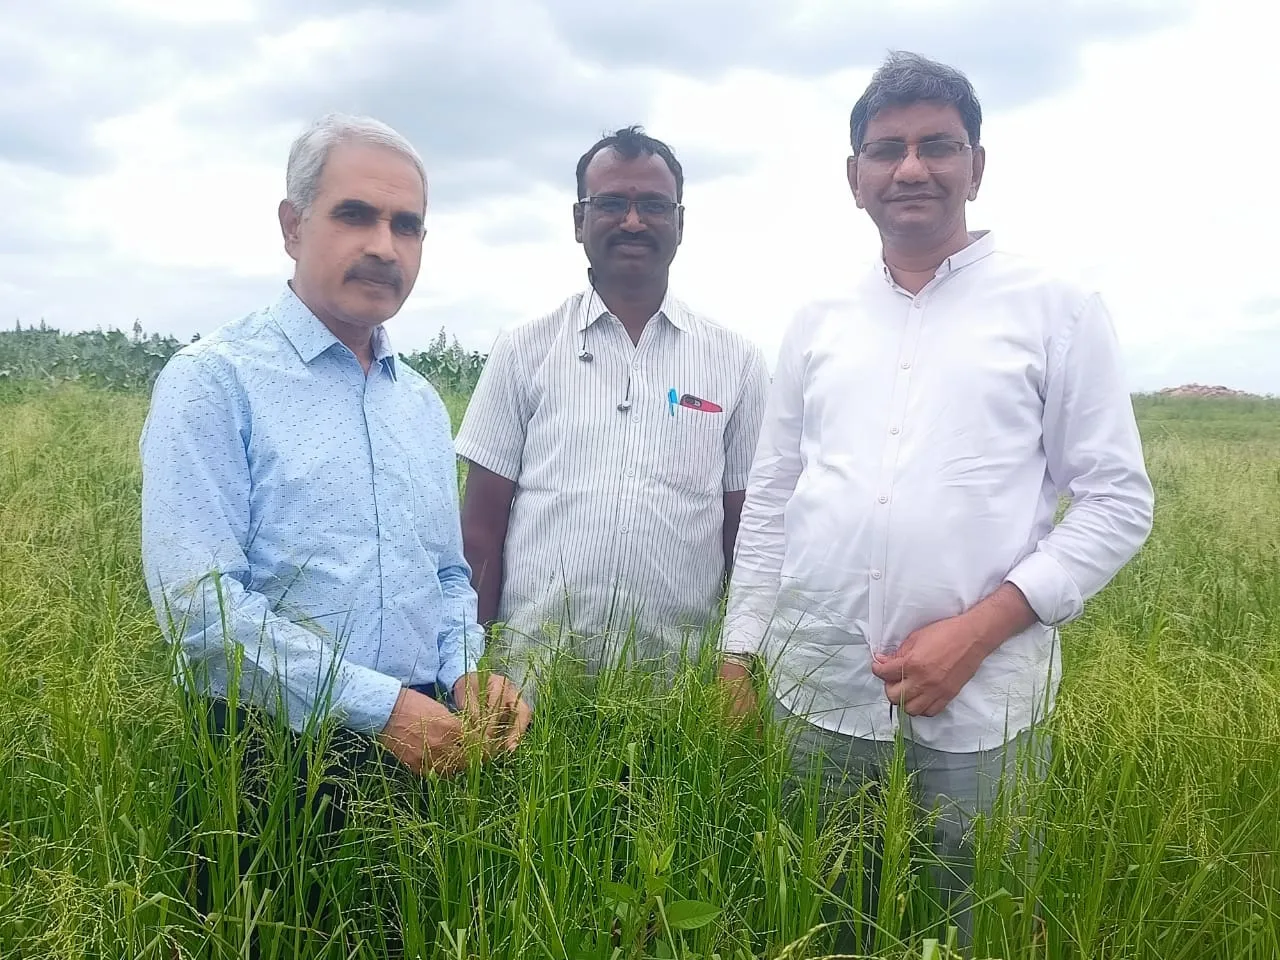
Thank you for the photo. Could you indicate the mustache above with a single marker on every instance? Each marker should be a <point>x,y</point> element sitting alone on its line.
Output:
<point>376,271</point>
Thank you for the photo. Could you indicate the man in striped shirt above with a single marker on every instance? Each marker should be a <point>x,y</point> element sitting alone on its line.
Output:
<point>609,440</point>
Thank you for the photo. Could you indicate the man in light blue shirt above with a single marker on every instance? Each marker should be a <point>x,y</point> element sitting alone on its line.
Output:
<point>300,500</point>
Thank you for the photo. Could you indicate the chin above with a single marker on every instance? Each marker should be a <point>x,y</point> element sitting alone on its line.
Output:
<point>373,310</point>
<point>913,226</point>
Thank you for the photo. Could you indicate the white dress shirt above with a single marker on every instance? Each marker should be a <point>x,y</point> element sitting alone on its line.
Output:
<point>911,460</point>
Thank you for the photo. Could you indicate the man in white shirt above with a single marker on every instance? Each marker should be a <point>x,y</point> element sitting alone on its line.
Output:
<point>609,441</point>
<point>898,567</point>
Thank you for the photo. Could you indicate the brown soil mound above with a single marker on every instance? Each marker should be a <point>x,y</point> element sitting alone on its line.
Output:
<point>1200,390</point>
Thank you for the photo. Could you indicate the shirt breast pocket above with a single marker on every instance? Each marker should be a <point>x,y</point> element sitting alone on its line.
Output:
<point>694,460</point>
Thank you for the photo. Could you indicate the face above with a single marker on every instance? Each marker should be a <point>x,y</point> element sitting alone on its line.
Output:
<point>918,198</point>
<point>638,241</point>
<point>358,249</point>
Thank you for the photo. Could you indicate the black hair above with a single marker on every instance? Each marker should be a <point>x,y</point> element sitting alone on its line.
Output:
<point>629,143</point>
<point>905,78</point>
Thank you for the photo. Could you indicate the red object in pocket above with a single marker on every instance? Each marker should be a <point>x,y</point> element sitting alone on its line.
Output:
<point>697,403</point>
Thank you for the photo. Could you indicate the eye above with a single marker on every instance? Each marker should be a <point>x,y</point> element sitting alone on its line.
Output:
<point>407,226</point>
<point>939,149</point>
<point>354,215</point>
<point>611,205</point>
<point>884,151</point>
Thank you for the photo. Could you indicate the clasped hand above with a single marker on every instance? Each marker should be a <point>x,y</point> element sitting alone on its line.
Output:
<point>425,735</point>
<point>931,666</point>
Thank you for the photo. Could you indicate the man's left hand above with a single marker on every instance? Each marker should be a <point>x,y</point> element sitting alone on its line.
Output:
<point>935,662</point>
<point>924,674</point>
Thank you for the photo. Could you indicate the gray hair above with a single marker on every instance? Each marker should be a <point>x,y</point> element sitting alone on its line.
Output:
<point>310,150</point>
<point>906,78</point>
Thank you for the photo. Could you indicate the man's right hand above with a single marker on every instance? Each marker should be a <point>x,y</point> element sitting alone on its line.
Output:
<point>424,735</point>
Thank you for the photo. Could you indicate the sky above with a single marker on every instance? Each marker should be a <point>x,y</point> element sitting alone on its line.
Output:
<point>143,147</point>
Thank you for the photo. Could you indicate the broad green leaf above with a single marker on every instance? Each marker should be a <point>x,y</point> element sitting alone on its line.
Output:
<point>619,892</point>
<point>690,914</point>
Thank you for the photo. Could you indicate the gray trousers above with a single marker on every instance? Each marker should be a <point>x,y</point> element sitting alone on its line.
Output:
<point>950,788</point>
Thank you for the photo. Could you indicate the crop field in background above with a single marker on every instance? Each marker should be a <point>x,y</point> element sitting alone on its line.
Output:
<point>631,822</point>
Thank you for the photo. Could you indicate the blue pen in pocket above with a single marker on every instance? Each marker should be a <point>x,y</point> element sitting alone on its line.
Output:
<point>673,398</point>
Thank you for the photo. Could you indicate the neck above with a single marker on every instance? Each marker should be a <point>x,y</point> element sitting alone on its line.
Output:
<point>356,338</point>
<point>912,266</point>
<point>633,303</point>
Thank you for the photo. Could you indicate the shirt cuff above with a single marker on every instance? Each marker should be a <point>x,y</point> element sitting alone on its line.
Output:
<point>742,637</point>
<point>1049,589</point>
<point>368,697</point>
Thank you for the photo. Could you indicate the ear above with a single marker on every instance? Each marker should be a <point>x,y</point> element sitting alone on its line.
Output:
<point>290,227</point>
<point>579,220</point>
<point>851,172</point>
<point>979,166</point>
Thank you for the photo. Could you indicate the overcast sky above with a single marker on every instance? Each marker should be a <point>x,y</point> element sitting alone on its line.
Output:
<point>1133,143</point>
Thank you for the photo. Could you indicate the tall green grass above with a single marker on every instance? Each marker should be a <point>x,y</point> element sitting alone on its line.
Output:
<point>631,822</point>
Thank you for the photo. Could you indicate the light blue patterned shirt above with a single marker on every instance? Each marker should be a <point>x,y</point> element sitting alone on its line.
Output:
<point>314,511</point>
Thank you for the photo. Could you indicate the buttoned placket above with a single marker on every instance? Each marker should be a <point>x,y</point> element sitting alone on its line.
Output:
<point>895,429</point>
<point>633,438</point>
<point>371,387</point>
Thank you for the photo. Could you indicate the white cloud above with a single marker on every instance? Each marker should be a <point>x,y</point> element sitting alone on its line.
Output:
<point>1147,179</point>
<point>1136,159</point>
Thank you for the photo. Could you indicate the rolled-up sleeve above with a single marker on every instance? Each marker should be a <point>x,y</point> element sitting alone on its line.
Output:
<point>195,528</point>
<point>1095,457</point>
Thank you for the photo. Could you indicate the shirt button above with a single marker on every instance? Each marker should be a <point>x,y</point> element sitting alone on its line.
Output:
<point>631,471</point>
<point>875,574</point>
<point>883,498</point>
<point>636,418</point>
<point>906,365</point>
<point>386,535</point>
<point>894,431</point>
<point>622,529</point>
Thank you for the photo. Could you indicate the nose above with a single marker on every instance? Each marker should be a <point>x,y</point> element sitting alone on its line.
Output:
<point>632,220</point>
<point>911,169</point>
<point>378,241</point>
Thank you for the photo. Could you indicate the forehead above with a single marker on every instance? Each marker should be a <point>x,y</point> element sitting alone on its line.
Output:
<point>376,175</point>
<point>646,174</point>
<point>922,119</point>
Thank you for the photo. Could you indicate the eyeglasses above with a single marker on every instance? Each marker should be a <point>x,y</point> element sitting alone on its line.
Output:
<point>652,210</point>
<point>934,154</point>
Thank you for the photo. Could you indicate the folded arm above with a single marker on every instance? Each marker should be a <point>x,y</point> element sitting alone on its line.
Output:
<point>1094,455</point>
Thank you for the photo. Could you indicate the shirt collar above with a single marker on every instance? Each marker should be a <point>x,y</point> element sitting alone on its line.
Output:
<point>382,350</point>
<point>982,244</point>
<point>310,337</point>
<point>591,308</point>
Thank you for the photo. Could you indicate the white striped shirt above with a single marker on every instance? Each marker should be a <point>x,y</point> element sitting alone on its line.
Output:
<point>618,513</point>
